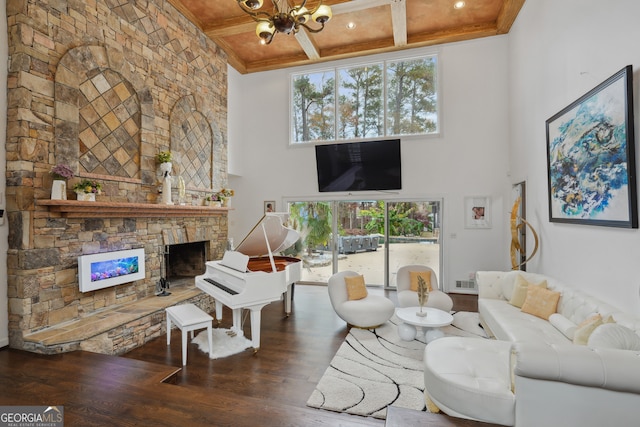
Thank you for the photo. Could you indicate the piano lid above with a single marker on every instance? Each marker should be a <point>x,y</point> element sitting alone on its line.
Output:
<point>280,237</point>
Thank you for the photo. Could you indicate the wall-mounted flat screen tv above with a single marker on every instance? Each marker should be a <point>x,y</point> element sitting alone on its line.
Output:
<point>359,166</point>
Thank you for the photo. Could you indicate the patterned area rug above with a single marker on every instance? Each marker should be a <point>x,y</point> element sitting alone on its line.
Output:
<point>374,369</point>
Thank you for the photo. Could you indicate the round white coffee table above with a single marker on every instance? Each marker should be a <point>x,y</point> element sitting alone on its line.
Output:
<point>411,322</point>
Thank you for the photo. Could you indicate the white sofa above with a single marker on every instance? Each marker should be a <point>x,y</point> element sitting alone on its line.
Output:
<point>533,374</point>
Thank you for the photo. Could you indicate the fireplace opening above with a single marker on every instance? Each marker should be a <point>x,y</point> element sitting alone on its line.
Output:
<point>185,260</point>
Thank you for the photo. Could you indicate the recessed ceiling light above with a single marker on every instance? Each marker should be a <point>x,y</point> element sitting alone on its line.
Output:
<point>458,5</point>
<point>351,25</point>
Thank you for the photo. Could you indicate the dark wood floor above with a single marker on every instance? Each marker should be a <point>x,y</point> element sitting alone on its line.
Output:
<point>269,388</point>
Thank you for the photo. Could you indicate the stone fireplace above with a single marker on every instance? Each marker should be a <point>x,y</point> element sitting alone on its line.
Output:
<point>103,87</point>
<point>184,260</point>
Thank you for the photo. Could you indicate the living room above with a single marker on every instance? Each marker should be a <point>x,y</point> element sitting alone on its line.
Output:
<point>497,93</point>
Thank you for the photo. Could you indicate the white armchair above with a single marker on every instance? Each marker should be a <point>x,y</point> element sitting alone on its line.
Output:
<point>367,313</point>
<point>409,298</point>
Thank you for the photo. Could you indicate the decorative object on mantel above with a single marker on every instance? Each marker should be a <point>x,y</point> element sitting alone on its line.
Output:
<point>164,158</point>
<point>423,295</point>
<point>285,18</point>
<point>214,200</point>
<point>61,173</point>
<point>87,189</point>
<point>181,191</point>
<point>224,196</point>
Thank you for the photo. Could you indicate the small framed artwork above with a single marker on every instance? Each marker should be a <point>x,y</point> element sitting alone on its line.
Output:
<point>477,212</point>
<point>269,206</point>
<point>591,157</point>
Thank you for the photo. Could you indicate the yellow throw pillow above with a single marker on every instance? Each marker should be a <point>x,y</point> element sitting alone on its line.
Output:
<point>356,289</point>
<point>520,290</point>
<point>540,302</point>
<point>413,275</point>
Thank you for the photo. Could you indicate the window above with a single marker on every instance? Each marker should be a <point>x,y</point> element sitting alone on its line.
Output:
<point>314,107</point>
<point>389,98</point>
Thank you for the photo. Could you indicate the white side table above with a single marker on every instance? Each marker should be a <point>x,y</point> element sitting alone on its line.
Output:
<point>188,317</point>
<point>431,322</point>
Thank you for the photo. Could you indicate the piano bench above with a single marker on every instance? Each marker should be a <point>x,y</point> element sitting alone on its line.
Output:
<point>188,317</point>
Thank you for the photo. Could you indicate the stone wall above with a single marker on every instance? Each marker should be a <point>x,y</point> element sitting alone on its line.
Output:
<point>103,86</point>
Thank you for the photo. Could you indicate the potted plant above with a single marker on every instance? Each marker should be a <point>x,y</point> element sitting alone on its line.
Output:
<point>164,158</point>
<point>61,173</point>
<point>87,189</point>
<point>214,200</point>
<point>224,195</point>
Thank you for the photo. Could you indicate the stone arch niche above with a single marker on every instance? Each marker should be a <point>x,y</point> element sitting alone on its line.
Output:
<point>196,146</point>
<point>98,113</point>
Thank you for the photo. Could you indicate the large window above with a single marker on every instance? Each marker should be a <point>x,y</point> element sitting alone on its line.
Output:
<point>372,237</point>
<point>389,98</point>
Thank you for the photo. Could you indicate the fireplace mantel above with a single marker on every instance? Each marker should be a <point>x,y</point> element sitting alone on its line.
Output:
<point>98,209</point>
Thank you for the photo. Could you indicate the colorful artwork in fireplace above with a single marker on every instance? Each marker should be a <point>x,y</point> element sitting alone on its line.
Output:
<point>102,270</point>
<point>107,269</point>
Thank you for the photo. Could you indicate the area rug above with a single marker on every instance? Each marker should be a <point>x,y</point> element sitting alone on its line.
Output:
<point>374,369</point>
<point>223,344</point>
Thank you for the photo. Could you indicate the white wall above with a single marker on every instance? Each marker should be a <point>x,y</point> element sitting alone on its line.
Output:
<point>470,157</point>
<point>4,229</point>
<point>558,51</point>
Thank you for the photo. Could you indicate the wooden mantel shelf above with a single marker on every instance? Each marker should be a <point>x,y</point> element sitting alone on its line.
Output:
<point>98,209</point>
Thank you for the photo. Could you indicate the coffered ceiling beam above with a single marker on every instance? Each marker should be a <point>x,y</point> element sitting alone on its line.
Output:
<point>399,21</point>
<point>307,44</point>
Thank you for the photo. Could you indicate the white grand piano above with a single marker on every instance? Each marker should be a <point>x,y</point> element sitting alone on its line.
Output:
<point>251,276</point>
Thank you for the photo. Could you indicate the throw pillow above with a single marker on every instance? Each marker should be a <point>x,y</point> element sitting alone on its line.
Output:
<point>356,289</point>
<point>612,335</point>
<point>520,290</point>
<point>540,302</point>
<point>586,328</point>
<point>413,277</point>
<point>564,325</point>
<point>506,284</point>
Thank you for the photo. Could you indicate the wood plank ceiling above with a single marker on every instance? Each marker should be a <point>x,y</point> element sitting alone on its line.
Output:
<point>380,26</point>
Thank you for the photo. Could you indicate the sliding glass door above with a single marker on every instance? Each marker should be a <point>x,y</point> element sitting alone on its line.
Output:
<point>371,237</point>
<point>414,236</point>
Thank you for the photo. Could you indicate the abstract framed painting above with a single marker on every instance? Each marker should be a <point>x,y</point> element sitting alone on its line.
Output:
<point>591,157</point>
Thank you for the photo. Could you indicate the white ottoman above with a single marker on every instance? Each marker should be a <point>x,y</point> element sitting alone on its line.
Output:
<point>188,317</point>
<point>470,378</point>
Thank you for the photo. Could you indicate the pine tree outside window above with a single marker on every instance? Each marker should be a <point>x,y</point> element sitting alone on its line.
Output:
<point>368,101</point>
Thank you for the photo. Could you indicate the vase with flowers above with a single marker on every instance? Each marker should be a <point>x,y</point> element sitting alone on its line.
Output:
<point>164,158</point>
<point>60,173</point>
<point>224,196</point>
<point>87,189</point>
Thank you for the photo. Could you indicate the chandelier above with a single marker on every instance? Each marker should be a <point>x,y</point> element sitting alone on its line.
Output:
<point>284,19</point>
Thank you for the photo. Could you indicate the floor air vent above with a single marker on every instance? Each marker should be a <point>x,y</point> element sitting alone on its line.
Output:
<point>466,284</point>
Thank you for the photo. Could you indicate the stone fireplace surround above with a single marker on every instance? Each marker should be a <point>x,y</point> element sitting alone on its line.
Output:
<point>152,63</point>
<point>117,319</point>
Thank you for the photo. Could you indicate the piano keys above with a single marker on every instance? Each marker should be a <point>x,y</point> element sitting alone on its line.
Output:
<point>244,283</point>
